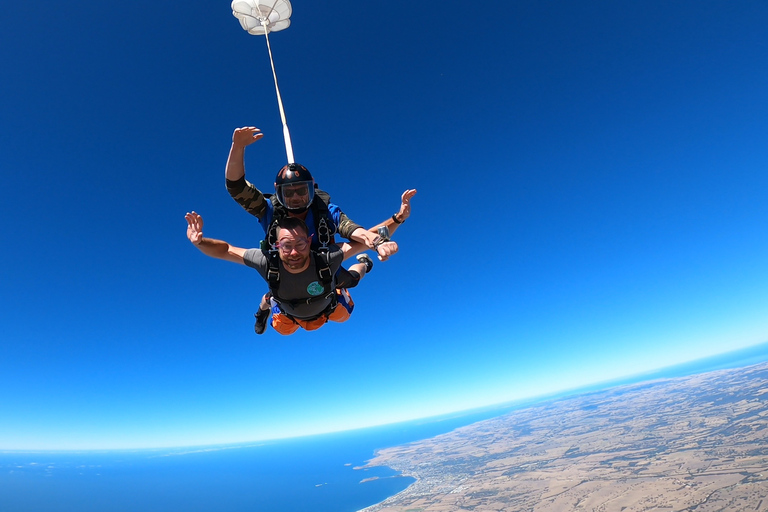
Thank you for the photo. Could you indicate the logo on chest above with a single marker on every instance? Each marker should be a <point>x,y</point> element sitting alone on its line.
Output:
<point>315,289</point>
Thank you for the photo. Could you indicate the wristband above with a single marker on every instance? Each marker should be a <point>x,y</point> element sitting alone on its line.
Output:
<point>394,218</point>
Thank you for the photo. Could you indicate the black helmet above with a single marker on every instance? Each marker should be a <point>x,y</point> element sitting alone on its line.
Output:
<point>295,188</point>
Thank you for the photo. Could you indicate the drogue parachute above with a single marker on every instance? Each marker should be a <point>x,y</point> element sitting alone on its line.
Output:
<point>259,18</point>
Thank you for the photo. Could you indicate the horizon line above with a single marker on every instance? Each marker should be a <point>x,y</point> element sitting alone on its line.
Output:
<point>739,358</point>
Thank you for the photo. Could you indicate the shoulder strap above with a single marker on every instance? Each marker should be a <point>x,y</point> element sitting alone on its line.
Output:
<point>324,225</point>
<point>273,272</point>
<point>323,267</point>
<point>323,195</point>
<point>322,259</point>
<point>324,275</point>
<point>278,212</point>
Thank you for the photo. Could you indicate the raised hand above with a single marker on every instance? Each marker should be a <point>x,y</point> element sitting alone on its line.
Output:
<point>246,135</point>
<point>405,204</point>
<point>194,227</point>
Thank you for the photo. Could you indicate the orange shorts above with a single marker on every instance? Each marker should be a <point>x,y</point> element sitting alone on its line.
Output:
<point>283,324</point>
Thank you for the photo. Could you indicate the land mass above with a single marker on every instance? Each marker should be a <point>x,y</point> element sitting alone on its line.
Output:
<point>696,443</point>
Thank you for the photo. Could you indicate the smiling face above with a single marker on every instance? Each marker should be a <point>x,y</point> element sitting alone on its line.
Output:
<point>294,247</point>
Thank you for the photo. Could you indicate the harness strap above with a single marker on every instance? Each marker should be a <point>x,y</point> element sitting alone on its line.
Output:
<point>324,225</point>
<point>324,275</point>
<point>324,233</point>
<point>323,266</point>
<point>273,272</point>
<point>324,313</point>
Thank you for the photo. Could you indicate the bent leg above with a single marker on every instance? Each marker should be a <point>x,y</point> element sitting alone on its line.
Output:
<point>347,278</point>
<point>282,324</point>
<point>344,307</point>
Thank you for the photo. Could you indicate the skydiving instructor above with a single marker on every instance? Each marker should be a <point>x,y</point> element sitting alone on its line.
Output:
<point>294,192</point>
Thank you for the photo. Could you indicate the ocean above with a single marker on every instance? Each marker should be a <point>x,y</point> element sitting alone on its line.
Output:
<point>296,475</point>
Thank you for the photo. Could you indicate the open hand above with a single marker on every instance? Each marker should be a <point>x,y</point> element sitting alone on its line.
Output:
<point>405,204</point>
<point>246,135</point>
<point>194,227</point>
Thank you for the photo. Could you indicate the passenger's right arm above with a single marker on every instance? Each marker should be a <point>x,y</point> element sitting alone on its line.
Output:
<point>210,246</point>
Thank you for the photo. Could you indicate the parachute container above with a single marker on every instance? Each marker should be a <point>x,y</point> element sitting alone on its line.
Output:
<point>258,17</point>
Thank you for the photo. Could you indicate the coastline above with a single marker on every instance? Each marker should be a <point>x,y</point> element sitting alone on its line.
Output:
<point>391,499</point>
<point>466,446</point>
<point>444,458</point>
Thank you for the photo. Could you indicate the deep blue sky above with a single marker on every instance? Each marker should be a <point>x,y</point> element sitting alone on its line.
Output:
<point>592,204</point>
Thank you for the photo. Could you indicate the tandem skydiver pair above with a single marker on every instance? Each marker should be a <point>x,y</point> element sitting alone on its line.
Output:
<point>299,257</point>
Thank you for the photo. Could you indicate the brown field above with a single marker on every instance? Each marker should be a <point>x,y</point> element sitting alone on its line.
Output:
<point>694,444</point>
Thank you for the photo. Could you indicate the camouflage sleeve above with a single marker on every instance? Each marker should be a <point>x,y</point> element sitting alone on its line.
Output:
<point>247,196</point>
<point>347,226</point>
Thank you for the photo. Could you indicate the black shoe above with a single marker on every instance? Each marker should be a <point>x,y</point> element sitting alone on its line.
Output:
<point>363,258</point>
<point>261,321</point>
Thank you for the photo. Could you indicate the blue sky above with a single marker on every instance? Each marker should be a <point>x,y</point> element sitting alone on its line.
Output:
<point>591,176</point>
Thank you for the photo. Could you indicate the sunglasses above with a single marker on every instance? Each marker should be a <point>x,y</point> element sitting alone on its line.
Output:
<point>290,192</point>
<point>300,245</point>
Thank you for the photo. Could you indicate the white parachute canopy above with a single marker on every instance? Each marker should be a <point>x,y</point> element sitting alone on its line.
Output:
<point>260,17</point>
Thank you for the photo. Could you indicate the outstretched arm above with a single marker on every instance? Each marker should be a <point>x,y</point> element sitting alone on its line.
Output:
<point>394,222</point>
<point>368,239</point>
<point>242,191</point>
<point>385,249</point>
<point>209,246</point>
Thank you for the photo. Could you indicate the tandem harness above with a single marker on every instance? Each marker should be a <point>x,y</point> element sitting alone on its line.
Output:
<point>324,275</point>
<point>324,226</point>
<point>325,230</point>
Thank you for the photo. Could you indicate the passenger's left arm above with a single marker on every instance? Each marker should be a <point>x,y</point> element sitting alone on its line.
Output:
<point>385,249</point>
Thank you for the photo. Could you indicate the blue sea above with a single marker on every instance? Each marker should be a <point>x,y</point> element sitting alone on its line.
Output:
<point>298,475</point>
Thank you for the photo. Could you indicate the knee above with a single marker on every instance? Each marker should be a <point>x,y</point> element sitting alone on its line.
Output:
<point>283,325</point>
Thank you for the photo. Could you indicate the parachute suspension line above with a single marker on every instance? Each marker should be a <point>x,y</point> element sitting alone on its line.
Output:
<point>286,133</point>
<point>260,17</point>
